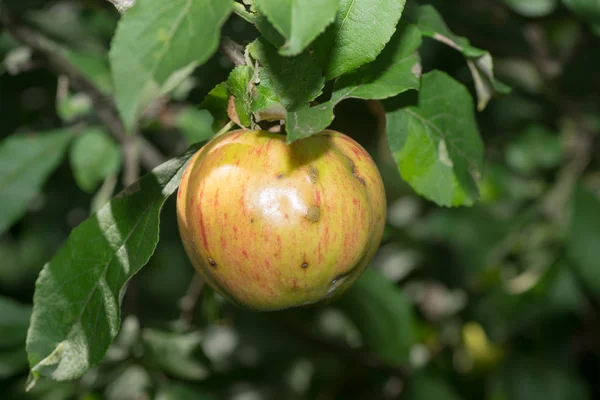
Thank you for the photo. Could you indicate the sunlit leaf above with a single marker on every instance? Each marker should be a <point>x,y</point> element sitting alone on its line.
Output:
<point>158,44</point>
<point>76,312</point>
<point>359,33</point>
<point>299,21</point>
<point>437,144</point>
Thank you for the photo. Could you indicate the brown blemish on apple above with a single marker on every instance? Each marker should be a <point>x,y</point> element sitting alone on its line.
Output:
<point>360,179</point>
<point>313,174</point>
<point>201,221</point>
<point>355,172</point>
<point>304,265</point>
<point>212,262</point>
<point>280,176</point>
<point>313,214</point>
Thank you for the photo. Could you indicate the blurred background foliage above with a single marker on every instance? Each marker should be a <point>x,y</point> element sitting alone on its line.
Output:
<point>498,301</point>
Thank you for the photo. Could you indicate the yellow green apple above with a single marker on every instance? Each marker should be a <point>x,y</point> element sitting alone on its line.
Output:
<point>271,226</point>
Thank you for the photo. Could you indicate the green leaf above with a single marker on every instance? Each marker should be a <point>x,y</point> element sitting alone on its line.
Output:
<point>94,155</point>
<point>175,353</point>
<point>425,386</point>
<point>382,314</point>
<point>240,83</point>
<point>14,323</point>
<point>299,21</point>
<point>261,23</point>
<point>479,61</point>
<point>279,84</point>
<point>308,121</point>
<point>179,391</point>
<point>533,8</point>
<point>26,161</point>
<point>437,144</point>
<point>432,25</point>
<point>582,244</point>
<point>357,36</point>
<point>94,67</point>
<point>195,125</point>
<point>216,102</point>
<point>77,298</point>
<point>293,80</point>
<point>588,10</point>
<point>396,70</point>
<point>158,44</point>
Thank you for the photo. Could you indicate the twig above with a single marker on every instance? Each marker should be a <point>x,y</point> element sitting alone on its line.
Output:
<point>580,150</point>
<point>104,106</point>
<point>188,303</point>
<point>131,157</point>
<point>536,37</point>
<point>580,147</point>
<point>232,50</point>
<point>104,194</point>
<point>226,128</point>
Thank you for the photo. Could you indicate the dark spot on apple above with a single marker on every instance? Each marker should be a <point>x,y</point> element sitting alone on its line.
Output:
<point>280,176</point>
<point>353,170</point>
<point>313,174</point>
<point>252,220</point>
<point>313,214</point>
<point>352,165</point>
<point>212,262</point>
<point>304,265</point>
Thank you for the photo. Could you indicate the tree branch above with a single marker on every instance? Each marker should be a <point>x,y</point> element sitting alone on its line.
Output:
<point>188,303</point>
<point>104,106</point>
<point>232,50</point>
<point>131,158</point>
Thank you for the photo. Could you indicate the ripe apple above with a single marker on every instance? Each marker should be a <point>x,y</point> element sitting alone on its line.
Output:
<point>271,226</point>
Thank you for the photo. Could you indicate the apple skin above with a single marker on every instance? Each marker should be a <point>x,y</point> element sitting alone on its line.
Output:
<point>272,226</point>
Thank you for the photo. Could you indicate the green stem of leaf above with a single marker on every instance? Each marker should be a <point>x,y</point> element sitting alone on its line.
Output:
<point>226,128</point>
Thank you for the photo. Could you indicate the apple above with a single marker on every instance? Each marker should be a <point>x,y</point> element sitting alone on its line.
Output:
<point>271,226</point>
